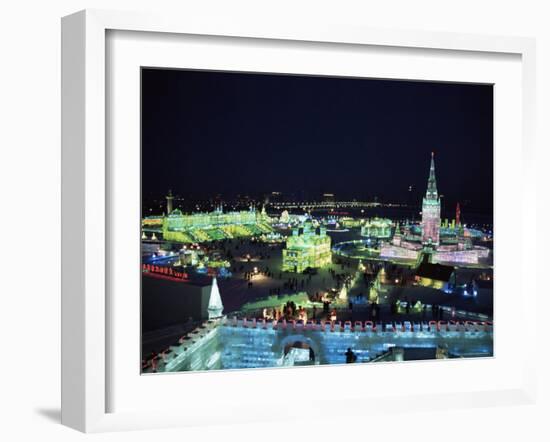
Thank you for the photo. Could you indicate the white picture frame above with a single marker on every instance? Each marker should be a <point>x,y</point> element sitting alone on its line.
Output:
<point>86,315</point>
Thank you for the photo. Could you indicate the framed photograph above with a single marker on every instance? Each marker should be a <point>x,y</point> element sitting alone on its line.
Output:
<point>250,208</point>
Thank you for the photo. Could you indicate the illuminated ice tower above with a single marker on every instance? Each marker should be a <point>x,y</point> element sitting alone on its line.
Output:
<point>169,203</point>
<point>215,306</point>
<point>431,210</point>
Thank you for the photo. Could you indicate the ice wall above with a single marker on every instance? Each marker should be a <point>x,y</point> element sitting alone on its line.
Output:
<point>231,344</point>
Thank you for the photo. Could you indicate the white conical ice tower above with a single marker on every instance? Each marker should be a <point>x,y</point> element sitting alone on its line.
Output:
<point>343,293</point>
<point>215,306</point>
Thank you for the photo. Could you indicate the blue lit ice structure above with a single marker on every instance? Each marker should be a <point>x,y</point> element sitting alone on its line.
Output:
<point>241,343</point>
<point>202,270</point>
<point>223,272</point>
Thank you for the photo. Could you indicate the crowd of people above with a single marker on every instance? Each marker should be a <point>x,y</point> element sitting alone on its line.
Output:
<point>290,311</point>
<point>322,287</point>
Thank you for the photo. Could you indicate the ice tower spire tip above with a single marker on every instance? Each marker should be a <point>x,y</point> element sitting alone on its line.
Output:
<point>431,192</point>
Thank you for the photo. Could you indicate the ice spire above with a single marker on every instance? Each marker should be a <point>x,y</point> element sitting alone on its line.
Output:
<point>215,306</point>
<point>431,191</point>
<point>343,295</point>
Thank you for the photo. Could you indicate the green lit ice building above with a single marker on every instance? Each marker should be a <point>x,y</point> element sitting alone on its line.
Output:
<point>380,228</point>
<point>308,246</point>
<point>216,225</point>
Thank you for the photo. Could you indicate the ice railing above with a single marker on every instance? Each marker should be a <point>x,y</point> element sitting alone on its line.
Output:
<point>366,326</point>
<point>184,344</point>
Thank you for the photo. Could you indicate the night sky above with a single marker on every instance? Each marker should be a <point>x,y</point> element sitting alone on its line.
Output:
<point>208,133</point>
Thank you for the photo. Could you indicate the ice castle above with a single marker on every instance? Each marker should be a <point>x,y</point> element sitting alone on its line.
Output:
<point>454,247</point>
